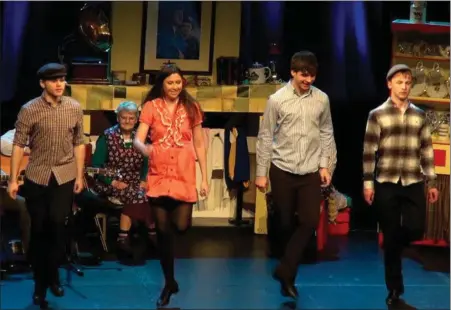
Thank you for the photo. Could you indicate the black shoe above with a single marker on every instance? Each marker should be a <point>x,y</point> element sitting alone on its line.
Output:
<point>57,290</point>
<point>393,297</point>
<point>39,300</point>
<point>39,296</point>
<point>287,287</point>
<point>165,296</point>
<point>123,244</point>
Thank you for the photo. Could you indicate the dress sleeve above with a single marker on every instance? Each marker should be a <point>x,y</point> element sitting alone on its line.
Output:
<point>146,115</point>
<point>199,116</point>
<point>100,157</point>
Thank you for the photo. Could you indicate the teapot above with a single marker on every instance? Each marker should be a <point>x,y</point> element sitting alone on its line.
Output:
<point>259,74</point>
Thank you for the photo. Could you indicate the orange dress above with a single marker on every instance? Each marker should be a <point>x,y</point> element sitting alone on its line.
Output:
<point>172,161</point>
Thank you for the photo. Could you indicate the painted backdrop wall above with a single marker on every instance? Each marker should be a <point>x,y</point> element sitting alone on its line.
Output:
<point>126,24</point>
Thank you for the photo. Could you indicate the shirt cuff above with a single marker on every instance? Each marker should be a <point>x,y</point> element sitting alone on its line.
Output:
<point>368,185</point>
<point>262,171</point>
<point>431,183</point>
<point>19,143</point>
<point>324,162</point>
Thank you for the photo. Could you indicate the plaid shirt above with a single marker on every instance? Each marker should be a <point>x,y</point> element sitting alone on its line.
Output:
<point>402,145</point>
<point>52,133</point>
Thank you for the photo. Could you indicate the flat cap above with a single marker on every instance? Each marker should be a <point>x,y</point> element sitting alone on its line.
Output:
<point>397,68</point>
<point>51,71</point>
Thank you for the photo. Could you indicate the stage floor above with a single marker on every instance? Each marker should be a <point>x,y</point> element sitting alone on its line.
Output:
<point>227,268</point>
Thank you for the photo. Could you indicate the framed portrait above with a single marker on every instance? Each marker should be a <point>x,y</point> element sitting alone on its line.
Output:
<point>180,32</point>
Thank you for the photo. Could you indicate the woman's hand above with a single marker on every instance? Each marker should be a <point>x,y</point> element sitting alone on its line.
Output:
<point>119,185</point>
<point>204,189</point>
<point>148,150</point>
<point>143,184</point>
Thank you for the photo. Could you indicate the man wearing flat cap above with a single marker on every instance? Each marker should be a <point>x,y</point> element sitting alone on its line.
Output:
<point>52,126</point>
<point>398,135</point>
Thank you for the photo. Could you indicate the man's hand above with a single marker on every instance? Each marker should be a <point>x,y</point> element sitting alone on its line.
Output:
<point>368,194</point>
<point>13,188</point>
<point>325,177</point>
<point>432,195</point>
<point>78,186</point>
<point>261,183</point>
<point>119,185</point>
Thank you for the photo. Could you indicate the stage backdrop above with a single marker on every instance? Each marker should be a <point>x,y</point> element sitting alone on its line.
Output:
<point>351,39</point>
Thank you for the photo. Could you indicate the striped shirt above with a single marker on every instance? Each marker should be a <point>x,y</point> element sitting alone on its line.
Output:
<point>52,133</point>
<point>401,144</point>
<point>296,133</point>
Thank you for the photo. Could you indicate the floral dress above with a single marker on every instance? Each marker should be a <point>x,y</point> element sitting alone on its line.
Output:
<point>172,162</point>
<point>124,158</point>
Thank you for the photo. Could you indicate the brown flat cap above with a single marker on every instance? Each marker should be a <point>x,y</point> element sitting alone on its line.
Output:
<point>51,71</point>
<point>397,68</point>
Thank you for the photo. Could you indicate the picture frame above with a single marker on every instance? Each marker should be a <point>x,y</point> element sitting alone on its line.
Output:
<point>160,43</point>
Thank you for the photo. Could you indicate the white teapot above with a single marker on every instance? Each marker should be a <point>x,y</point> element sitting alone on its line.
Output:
<point>258,74</point>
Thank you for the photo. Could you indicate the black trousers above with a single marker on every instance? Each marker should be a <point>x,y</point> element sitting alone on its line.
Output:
<point>49,206</point>
<point>294,194</point>
<point>401,212</point>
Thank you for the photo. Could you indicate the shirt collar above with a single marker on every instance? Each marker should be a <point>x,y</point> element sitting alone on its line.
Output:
<point>292,89</point>
<point>60,99</point>
<point>391,104</point>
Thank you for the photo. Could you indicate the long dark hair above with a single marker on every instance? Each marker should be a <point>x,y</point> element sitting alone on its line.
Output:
<point>192,109</point>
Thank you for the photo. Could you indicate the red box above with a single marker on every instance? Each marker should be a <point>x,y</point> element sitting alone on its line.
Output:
<point>321,229</point>
<point>341,225</point>
<point>425,242</point>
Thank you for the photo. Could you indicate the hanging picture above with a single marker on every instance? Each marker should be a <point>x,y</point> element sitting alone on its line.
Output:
<point>180,32</point>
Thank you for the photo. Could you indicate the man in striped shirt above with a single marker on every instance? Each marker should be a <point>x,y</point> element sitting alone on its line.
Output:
<point>52,124</point>
<point>398,145</point>
<point>295,143</point>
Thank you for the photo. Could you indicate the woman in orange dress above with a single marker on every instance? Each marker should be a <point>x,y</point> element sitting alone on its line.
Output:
<point>171,119</point>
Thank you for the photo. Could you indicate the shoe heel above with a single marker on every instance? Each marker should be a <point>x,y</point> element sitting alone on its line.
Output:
<point>166,295</point>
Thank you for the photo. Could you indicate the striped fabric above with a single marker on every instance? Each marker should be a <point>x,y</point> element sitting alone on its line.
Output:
<point>296,133</point>
<point>53,133</point>
<point>402,145</point>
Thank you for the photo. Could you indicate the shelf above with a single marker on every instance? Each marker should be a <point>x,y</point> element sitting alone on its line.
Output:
<point>215,98</point>
<point>440,142</point>
<point>430,33</point>
<point>423,58</point>
<point>441,104</point>
<point>430,27</point>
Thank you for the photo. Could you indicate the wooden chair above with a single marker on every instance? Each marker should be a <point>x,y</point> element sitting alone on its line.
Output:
<point>100,218</point>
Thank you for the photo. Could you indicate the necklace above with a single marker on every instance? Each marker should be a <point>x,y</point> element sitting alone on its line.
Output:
<point>127,144</point>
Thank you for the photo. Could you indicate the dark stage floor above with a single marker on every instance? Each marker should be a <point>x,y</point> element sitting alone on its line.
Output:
<point>227,268</point>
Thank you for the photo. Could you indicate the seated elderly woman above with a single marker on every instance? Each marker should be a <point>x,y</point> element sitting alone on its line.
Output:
<point>114,150</point>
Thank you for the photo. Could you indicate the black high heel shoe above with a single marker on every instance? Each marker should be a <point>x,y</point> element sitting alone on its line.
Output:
<point>40,301</point>
<point>39,297</point>
<point>287,287</point>
<point>165,296</point>
<point>57,290</point>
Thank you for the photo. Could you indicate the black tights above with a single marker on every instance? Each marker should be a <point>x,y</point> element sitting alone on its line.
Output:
<point>171,217</point>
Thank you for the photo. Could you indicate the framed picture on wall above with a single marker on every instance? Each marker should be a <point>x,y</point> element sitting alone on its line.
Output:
<point>180,32</point>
